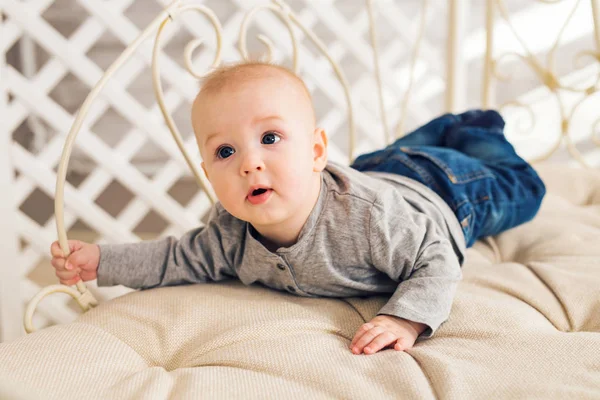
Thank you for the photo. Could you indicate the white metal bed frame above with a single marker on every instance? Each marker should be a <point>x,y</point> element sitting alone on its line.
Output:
<point>454,99</point>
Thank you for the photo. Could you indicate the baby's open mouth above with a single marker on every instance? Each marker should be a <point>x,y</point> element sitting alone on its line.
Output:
<point>259,195</point>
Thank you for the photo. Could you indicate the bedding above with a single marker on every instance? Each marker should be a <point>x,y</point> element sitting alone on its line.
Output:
<point>525,324</point>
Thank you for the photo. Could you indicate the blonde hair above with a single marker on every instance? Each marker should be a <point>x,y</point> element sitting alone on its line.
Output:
<point>243,71</point>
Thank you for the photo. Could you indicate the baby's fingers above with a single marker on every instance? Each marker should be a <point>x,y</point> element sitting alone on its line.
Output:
<point>70,282</point>
<point>67,277</point>
<point>55,250</point>
<point>77,259</point>
<point>62,264</point>
<point>58,263</point>
<point>360,332</point>
<point>402,344</point>
<point>382,340</point>
<point>74,245</point>
<point>366,338</point>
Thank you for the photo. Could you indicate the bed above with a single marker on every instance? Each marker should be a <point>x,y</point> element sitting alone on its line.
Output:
<point>525,324</point>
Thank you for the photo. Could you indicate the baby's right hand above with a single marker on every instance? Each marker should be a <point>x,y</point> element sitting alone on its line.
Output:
<point>81,263</point>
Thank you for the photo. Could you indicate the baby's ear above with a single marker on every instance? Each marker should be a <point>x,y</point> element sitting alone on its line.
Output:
<point>319,150</point>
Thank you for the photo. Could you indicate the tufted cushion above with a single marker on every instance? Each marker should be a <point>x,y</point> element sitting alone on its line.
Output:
<point>525,324</point>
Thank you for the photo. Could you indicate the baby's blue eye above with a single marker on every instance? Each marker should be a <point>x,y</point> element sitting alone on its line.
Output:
<point>225,151</point>
<point>270,138</point>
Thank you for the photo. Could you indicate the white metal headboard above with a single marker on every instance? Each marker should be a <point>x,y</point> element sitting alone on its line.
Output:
<point>83,296</point>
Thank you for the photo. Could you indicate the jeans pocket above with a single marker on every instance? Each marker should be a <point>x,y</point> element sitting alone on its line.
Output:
<point>392,160</point>
<point>458,167</point>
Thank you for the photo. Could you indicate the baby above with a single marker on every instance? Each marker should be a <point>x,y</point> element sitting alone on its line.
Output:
<point>396,222</point>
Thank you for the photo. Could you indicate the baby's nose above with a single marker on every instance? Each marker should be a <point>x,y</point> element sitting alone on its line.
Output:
<point>250,169</point>
<point>252,163</point>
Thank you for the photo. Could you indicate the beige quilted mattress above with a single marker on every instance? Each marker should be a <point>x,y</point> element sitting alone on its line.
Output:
<point>525,324</point>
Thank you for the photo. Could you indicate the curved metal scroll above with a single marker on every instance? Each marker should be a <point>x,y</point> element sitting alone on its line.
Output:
<point>82,295</point>
<point>545,73</point>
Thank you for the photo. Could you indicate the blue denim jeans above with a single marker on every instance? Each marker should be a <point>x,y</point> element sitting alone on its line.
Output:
<point>467,160</point>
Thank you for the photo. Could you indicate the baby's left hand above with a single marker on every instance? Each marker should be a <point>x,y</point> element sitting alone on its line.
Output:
<point>386,330</point>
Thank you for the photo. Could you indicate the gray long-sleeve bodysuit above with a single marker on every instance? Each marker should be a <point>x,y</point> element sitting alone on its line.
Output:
<point>368,234</point>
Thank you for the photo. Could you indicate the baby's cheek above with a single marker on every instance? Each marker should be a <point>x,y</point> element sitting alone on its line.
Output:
<point>226,196</point>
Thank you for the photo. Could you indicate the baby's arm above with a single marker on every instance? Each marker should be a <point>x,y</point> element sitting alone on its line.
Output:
<point>198,256</point>
<point>426,291</point>
<point>410,248</point>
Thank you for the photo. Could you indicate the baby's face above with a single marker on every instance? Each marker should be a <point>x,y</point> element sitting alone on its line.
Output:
<point>257,141</point>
